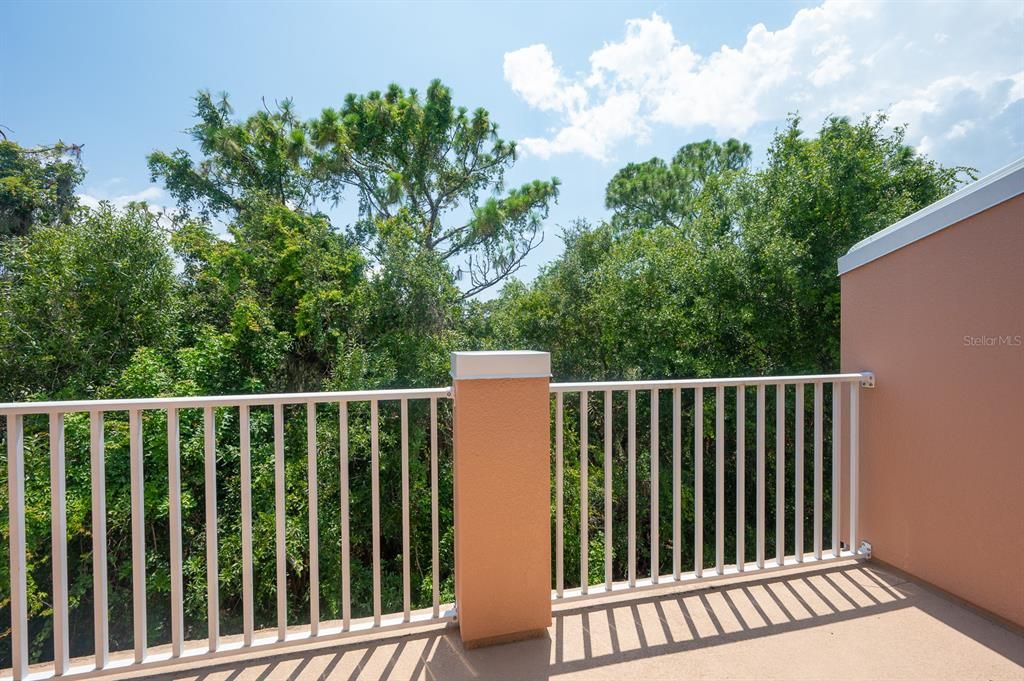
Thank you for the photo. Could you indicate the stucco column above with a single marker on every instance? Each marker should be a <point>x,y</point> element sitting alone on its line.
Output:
<point>502,495</point>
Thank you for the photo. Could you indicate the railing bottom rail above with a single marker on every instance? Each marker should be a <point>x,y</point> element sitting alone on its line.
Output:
<point>687,579</point>
<point>263,642</point>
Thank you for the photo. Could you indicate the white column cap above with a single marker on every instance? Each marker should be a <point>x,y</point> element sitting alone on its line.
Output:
<point>501,364</point>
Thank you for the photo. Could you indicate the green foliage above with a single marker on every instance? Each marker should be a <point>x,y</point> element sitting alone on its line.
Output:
<point>259,160</point>
<point>37,186</point>
<point>286,289</point>
<point>814,200</point>
<point>416,318</point>
<point>708,268</point>
<point>79,299</point>
<point>651,303</point>
<point>440,165</point>
<point>644,195</point>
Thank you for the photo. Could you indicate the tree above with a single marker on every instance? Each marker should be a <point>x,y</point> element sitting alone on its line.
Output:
<point>37,185</point>
<point>440,165</point>
<point>647,304</point>
<point>286,291</point>
<point>257,161</point>
<point>77,300</point>
<point>557,312</point>
<point>815,198</point>
<point>645,195</point>
<point>414,317</point>
<point>444,167</point>
<point>708,267</point>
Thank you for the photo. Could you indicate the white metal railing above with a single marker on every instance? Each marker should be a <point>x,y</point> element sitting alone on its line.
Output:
<point>838,383</point>
<point>14,414</point>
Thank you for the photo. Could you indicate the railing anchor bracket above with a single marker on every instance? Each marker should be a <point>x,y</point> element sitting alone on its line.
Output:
<point>864,549</point>
<point>867,380</point>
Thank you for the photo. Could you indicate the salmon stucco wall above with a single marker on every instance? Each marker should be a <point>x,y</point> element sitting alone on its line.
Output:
<point>941,324</point>
<point>502,509</point>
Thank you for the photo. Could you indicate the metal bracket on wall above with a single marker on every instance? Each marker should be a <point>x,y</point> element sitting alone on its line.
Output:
<point>867,380</point>
<point>865,549</point>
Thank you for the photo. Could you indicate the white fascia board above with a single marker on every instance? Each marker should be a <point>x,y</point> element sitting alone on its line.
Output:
<point>989,191</point>
<point>503,364</point>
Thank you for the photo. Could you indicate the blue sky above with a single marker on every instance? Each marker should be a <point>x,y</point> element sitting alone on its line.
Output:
<point>584,87</point>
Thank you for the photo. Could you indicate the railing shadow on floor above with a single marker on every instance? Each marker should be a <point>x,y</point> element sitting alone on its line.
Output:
<point>590,636</point>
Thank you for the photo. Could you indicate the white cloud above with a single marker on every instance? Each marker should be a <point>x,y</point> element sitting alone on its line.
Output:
<point>648,55</point>
<point>836,62</point>
<point>960,130</point>
<point>594,130</point>
<point>533,76</point>
<point>153,195</point>
<point>951,71</point>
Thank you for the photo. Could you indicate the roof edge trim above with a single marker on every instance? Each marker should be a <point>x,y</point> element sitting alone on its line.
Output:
<point>989,191</point>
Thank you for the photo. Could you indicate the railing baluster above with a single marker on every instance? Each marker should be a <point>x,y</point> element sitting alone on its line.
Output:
<point>559,492</point>
<point>434,540</point>
<point>59,544</point>
<point>100,616</point>
<point>677,438</point>
<point>174,519</point>
<point>406,581</point>
<point>837,402</point>
<point>584,496</point>
<point>854,462</point>
<point>760,476</point>
<point>631,473</point>
<point>741,481</point>
<point>58,463</point>
<point>212,570</point>
<point>375,506</point>
<point>655,562</point>
<point>818,470</point>
<point>798,487</point>
<point>608,490</point>
<point>58,473</point>
<point>346,589</point>
<point>16,509</point>
<point>314,520</point>
<point>279,523</point>
<point>245,456</point>
<point>780,474</point>
<point>719,480</point>
<point>698,482</point>
<point>138,535</point>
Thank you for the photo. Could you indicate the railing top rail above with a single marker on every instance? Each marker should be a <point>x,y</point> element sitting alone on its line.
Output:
<point>708,382</point>
<point>269,399</point>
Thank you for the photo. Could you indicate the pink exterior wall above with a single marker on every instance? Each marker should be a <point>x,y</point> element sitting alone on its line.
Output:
<point>942,434</point>
<point>502,509</point>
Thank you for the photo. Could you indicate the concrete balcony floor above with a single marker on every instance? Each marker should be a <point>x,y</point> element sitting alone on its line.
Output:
<point>841,621</point>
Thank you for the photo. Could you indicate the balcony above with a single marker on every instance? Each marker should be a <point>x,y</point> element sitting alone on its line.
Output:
<point>771,608</point>
<point>863,524</point>
<point>850,620</point>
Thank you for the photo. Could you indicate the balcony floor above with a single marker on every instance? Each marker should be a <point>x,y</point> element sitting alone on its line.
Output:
<point>845,621</point>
